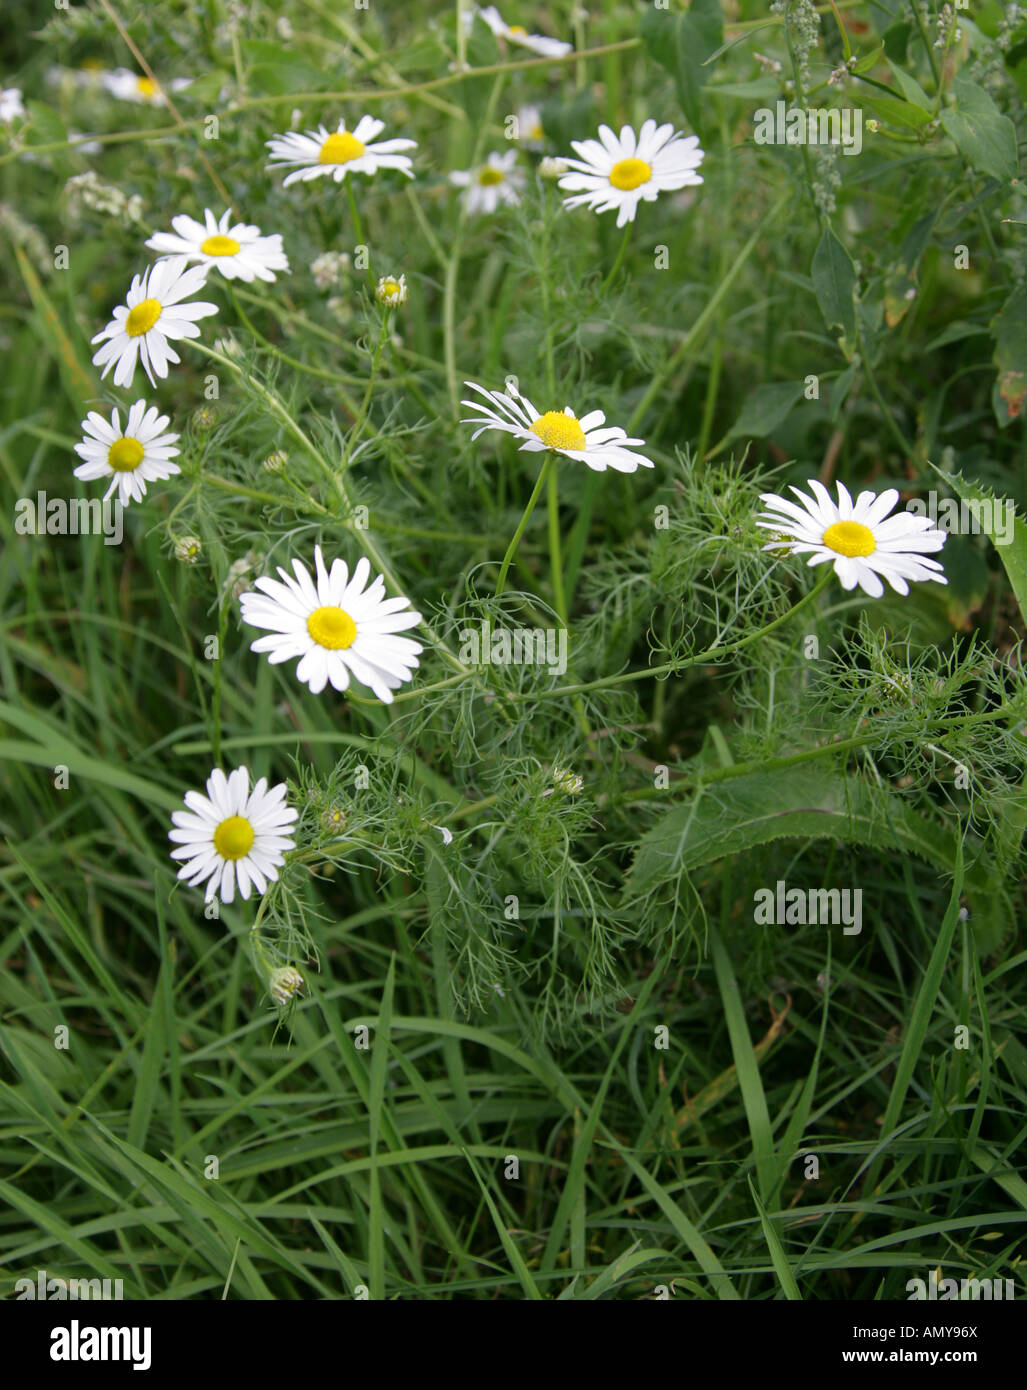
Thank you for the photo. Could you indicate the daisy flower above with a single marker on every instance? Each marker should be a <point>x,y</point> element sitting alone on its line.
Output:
<point>337,624</point>
<point>152,313</point>
<point>859,538</point>
<point>588,440</point>
<point>233,836</point>
<point>127,85</point>
<point>11,108</point>
<point>619,171</point>
<point>529,127</point>
<point>316,152</point>
<point>496,183</point>
<point>140,455</point>
<point>240,252</point>
<point>516,33</point>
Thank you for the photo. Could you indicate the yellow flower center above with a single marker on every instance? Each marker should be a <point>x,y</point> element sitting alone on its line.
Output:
<point>332,628</point>
<point>146,87</point>
<point>219,246</point>
<point>850,538</point>
<point>559,431</point>
<point>142,318</point>
<point>518,29</point>
<point>630,173</point>
<point>489,175</point>
<point>340,149</point>
<point>124,455</point>
<point>234,837</point>
<point>392,287</point>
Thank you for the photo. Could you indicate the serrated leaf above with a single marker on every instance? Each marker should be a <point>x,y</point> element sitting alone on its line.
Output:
<point>1011,551</point>
<point>758,808</point>
<point>984,137</point>
<point>682,43</point>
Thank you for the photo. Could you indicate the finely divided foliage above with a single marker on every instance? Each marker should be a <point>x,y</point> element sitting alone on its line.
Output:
<point>531,591</point>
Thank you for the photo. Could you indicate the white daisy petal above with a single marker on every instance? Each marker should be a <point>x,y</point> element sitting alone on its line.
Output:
<point>336,624</point>
<point>865,545</point>
<point>587,439</point>
<point>234,837</point>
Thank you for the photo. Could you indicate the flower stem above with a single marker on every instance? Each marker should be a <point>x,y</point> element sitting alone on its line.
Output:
<point>619,261</point>
<point>358,228</point>
<point>555,563</point>
<point>544,472</point>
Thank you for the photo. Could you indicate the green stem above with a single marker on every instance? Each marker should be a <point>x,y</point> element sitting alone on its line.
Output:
<point>698,328</point>
<point>365,404</point>
<point>543,474</point>
<point>673,668</point>
<point>358,228</point>
<point>622,251</point>
<point>559,598</point>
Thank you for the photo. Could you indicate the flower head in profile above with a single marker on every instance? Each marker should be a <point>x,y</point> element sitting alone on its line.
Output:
<point>337,624</point>
<point>863,542</point>
<point>141,454</point>
<point>239,251</point>
<point>391,291</point>
<point>530,133</point>
<point>588,440</point>
<point>284,985</point>
<point>496,183</point>
<point>516,33</point>
<point>340,152</point>
<point>620,171</point>
<point>233,837</point>
<point>154,311</point>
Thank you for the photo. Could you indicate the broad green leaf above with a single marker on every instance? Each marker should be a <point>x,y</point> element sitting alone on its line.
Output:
<point>806,803</point>
<point>834,284</point>
<point>984,137</point>
<point>764,409</point>
<point>682,43</point>
<point>991,513</point>
<point>911,88</point>
<point>896,112</point>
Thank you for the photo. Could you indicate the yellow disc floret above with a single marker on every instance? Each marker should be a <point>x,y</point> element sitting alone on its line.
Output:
<point>850,538</point>
<point>559,431</point>
<point>219,246</point>
<point>340,149</point>
<point>233,839</point>
<point>332,628</point>
<point>490,175</point>
<point>146,87</point>
<point>142,318</point>
<point>124,455</point>
<point>630,173</point>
